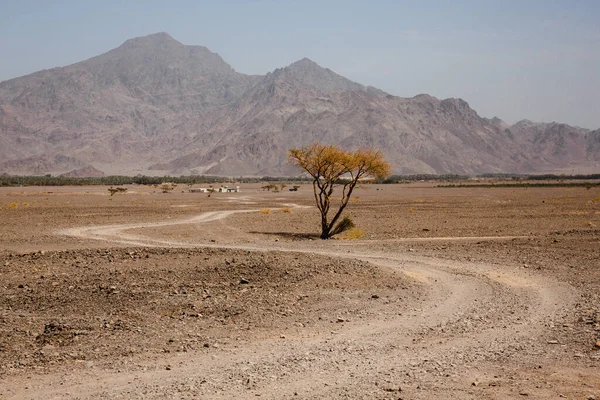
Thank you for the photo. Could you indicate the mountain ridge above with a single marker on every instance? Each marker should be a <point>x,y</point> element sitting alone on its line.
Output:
<point>154,105</point>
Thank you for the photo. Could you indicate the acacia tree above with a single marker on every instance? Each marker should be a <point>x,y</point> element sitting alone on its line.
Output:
<point>331,167</point>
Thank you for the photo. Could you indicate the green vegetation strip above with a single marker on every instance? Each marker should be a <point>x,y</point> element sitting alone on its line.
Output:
<point>48,180</point>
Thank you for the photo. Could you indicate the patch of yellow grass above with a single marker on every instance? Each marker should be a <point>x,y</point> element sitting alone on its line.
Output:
<point>265,211</point>
<point>13,205</point>
<point>25,204</point>
<point>410,210</point>
<point>353,233</point>
<point>286,210</point>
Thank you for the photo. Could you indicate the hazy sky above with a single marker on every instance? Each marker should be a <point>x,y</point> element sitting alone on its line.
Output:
<point>536,59</point>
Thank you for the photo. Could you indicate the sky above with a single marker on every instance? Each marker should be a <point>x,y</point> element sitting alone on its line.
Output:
<point>526,59</point>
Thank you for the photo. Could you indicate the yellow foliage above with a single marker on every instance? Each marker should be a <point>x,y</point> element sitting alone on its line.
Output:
<point>286,210</point>
<point>13,205</point>
<point>410,210</point>
<point>265,211</point>
<point>330,163</point>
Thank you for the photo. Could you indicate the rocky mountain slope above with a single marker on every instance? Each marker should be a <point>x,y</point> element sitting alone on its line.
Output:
<point>154,105</point>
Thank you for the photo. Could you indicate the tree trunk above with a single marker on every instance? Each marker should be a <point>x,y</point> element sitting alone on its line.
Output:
<point>325,228</point>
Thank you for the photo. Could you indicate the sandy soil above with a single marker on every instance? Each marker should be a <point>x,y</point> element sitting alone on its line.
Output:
<point>452,292</point>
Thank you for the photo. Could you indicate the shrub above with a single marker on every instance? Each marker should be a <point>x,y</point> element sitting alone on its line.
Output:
<point>265,211</point>
<point>13,205</point>
<point>286,210</point>
<point>353,233</point>
<point>344,225</point>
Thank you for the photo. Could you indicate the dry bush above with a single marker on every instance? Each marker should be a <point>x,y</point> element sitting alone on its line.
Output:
<point>13,205</point>
<point>269,187</point>
<point>168,187</point>
<point>410,210</point>
<point>265,211</point>
<point>344,225</point>
<point>286,210</point>
<point>353,233</point>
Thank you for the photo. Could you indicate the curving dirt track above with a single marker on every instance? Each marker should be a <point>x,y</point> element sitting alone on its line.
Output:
<point>472,330</point>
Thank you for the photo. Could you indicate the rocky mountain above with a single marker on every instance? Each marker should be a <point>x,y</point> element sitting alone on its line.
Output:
<point>85,172</point>
<point>154,106</point>
<point>40,165</point>
<point>115,108</point>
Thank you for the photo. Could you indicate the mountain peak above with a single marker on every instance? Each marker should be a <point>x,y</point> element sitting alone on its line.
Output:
<point>305,62</point>
<point>308,73</point>
<point>156,39</point>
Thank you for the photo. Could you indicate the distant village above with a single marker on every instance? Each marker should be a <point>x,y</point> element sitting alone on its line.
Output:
<point>222,189</point>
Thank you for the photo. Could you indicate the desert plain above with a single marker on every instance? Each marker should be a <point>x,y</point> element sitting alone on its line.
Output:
<point>465,293</point>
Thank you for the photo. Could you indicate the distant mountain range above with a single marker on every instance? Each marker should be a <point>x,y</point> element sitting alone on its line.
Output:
<point>156,106</point>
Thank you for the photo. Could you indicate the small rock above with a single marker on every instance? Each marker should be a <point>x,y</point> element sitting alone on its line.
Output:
<point>597,344</point>
<point>244,281</point>
<point>591,397</point>
<point>374,296</point>
<point>552,341</point>
<point>168,367</point>
<point>340,319</point>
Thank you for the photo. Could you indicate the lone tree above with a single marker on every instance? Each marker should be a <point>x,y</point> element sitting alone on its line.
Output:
<point>331,167</point>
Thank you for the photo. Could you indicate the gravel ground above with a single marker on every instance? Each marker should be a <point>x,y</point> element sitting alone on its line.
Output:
<point>451,292</point>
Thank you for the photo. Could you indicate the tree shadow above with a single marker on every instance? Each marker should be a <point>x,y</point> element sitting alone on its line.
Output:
<point>290,235</point>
